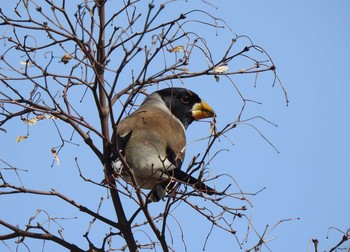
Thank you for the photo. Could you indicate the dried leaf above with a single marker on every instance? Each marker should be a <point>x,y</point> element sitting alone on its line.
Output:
<point>213,129</point>
<point>40,117</point>
<point>55,156</point>
<point>21,138</point>
<point>179,48</point>
<point>34,120</point>
<point>221,69</point>
<point>66,58</point>
<point>30,122</point>
<point>28,63</point>
<point>50,117</point>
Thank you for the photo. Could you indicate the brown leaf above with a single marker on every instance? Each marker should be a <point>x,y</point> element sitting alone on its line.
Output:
<point>30,122</point>
<point>179,48</point>
<point>66,58</point>
<point>221,69</point>
<point>34,120</point>
<point>21,138</point>
<point>50,117</point>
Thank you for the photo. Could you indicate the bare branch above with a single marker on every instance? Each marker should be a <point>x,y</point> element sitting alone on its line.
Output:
<point>17,233</point>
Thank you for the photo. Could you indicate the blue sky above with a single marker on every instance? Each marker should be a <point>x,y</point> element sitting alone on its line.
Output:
<point>309,42</point>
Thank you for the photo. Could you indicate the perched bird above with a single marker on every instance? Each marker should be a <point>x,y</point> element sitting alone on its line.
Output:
<point>152,140</point>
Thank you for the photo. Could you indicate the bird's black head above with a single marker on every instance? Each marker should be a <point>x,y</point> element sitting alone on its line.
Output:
<point>185,105</point>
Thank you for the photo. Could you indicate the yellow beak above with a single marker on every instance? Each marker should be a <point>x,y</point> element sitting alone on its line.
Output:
<point>202,110</point>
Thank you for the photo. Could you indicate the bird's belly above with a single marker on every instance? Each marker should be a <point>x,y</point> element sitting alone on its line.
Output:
<point>151,171</point>
<point>148,176</point>
<point>148,171</point>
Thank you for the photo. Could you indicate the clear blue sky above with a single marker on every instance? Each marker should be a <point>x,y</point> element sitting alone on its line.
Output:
<point>309,42</point>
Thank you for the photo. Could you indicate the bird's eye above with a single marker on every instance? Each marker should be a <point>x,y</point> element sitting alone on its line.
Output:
<point>185,99</point>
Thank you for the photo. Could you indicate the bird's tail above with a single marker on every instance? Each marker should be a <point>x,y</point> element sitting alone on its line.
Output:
<point>160,190</point>
<point>188,179</point>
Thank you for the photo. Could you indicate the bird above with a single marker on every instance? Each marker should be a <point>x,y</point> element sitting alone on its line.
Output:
<point>152,141</point>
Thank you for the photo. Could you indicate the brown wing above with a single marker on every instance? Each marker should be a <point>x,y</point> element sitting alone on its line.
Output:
<point>152,126</point>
